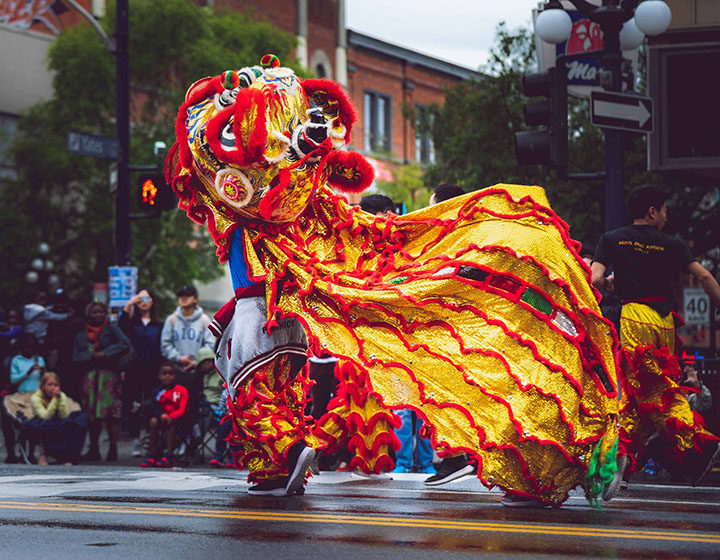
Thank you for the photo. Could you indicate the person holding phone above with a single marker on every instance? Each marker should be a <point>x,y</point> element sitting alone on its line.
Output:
<point>140,323</point>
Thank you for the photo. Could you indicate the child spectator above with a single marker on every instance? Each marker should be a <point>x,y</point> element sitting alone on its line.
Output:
<point>100,349</point>
<point>169,402</point>
<point>27,367</point>
<point>215,395</point>
<point>25,371</point>
<point>221,413</point>
<point>60,433</point>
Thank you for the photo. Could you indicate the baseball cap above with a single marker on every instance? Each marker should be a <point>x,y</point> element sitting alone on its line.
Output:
<point>187,291</point>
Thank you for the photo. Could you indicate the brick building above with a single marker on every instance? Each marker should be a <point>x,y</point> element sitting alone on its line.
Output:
<point>380,77</point>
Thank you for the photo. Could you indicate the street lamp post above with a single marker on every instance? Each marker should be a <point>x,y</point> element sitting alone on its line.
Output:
<point>624,24</point>
<point>41,273</point>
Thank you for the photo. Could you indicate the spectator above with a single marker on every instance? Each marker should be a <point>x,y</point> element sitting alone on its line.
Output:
<point>444,192</point>
<point>27,367</point>
<point>101,350</point>
<point>213,384</point>
<point>10,331</point>
<point>376,204</point>
<point>216,395</point>
<point>59,343</point>
<point>140,323</point>
<point>221,412</point>
<point>702,400</point>
<point>169,403</point>
<point>415,453</point>
<point>60,432</point>
<point>37,317</point>
<point>185,330</point>
<point>25,371</point>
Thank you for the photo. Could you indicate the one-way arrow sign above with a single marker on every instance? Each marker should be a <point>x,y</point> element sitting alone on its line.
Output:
<point>626,112</point>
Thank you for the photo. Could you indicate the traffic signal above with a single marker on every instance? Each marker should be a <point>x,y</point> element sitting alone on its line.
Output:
<point>154,194</point>
<point>545,147</point>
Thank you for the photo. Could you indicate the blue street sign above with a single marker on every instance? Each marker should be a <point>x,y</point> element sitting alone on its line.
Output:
<point>122,284</point>
<point>91,145</point>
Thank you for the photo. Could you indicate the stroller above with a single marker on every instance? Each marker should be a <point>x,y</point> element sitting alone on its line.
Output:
<point>29,432</point>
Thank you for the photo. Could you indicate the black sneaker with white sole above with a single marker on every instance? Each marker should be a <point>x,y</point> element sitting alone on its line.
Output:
<point>299,458</point>
<point>520,501</point>
<point>451,468</point>
<point>269,487</point>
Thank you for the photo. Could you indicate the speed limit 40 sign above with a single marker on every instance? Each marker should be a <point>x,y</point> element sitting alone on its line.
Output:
<point>696,307</point>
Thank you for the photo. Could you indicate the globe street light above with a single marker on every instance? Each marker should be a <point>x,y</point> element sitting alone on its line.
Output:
<point>624,24</point>
<point>41,267</point>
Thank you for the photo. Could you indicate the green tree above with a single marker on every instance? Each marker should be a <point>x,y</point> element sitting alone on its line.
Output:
<point>407,186</point>
<point>63,198</point>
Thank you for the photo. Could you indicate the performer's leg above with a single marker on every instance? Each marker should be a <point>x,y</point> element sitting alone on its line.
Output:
<point>269,427</point>
<point>648,342</point>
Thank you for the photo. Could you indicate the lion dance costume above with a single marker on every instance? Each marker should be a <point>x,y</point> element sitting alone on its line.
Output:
<point>476,313</point>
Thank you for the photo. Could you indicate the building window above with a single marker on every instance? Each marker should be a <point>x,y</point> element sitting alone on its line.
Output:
<point>424,148</point>
<point>8,131</point>
<point>377,119</point>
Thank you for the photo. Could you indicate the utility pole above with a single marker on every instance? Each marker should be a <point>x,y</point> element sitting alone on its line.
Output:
<point>122,116</point>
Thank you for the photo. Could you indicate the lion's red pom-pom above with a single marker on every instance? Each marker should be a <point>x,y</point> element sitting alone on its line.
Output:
<point>349,171</point>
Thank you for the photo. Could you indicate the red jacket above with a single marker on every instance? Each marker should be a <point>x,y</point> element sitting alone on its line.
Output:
<point>172,402</point>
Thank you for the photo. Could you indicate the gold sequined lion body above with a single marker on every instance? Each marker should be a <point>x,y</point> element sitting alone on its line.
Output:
<point>477,312</point>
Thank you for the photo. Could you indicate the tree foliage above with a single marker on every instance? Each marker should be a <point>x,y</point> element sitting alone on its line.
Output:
<point>63,198</point>
<point>407,186</point>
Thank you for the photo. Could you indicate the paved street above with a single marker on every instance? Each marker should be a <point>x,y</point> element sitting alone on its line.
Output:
<point>128,512</point>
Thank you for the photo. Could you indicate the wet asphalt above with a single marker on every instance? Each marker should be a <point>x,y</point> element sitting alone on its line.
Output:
<point>99,511</point>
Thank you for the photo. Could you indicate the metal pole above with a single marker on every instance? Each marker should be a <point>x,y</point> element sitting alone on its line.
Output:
<point>122,115</point>
<point>614,153</point>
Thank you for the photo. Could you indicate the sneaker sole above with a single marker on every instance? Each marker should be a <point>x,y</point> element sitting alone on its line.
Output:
<point>467,470</point>
<point>708,467</point>
<point>613,487</point>
<point>296,479</point>
<point>273,492</point>
<point>530,504</point>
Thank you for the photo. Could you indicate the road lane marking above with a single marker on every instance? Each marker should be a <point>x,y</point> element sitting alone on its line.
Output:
<point>373,520</point>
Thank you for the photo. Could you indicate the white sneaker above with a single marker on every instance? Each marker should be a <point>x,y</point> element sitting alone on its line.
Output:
<point>373,476</point>
<point>137,450</point>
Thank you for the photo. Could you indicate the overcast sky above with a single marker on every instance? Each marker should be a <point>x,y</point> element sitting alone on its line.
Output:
<point>461,31</point>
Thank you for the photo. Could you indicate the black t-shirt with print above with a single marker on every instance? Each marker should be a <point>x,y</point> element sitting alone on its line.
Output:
<point>646,261</point>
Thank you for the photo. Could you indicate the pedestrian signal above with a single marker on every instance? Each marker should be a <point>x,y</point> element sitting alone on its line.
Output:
<point>153,193</point>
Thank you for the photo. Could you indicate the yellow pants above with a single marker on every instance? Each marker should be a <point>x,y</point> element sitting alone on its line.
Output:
<point>652,399</point>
